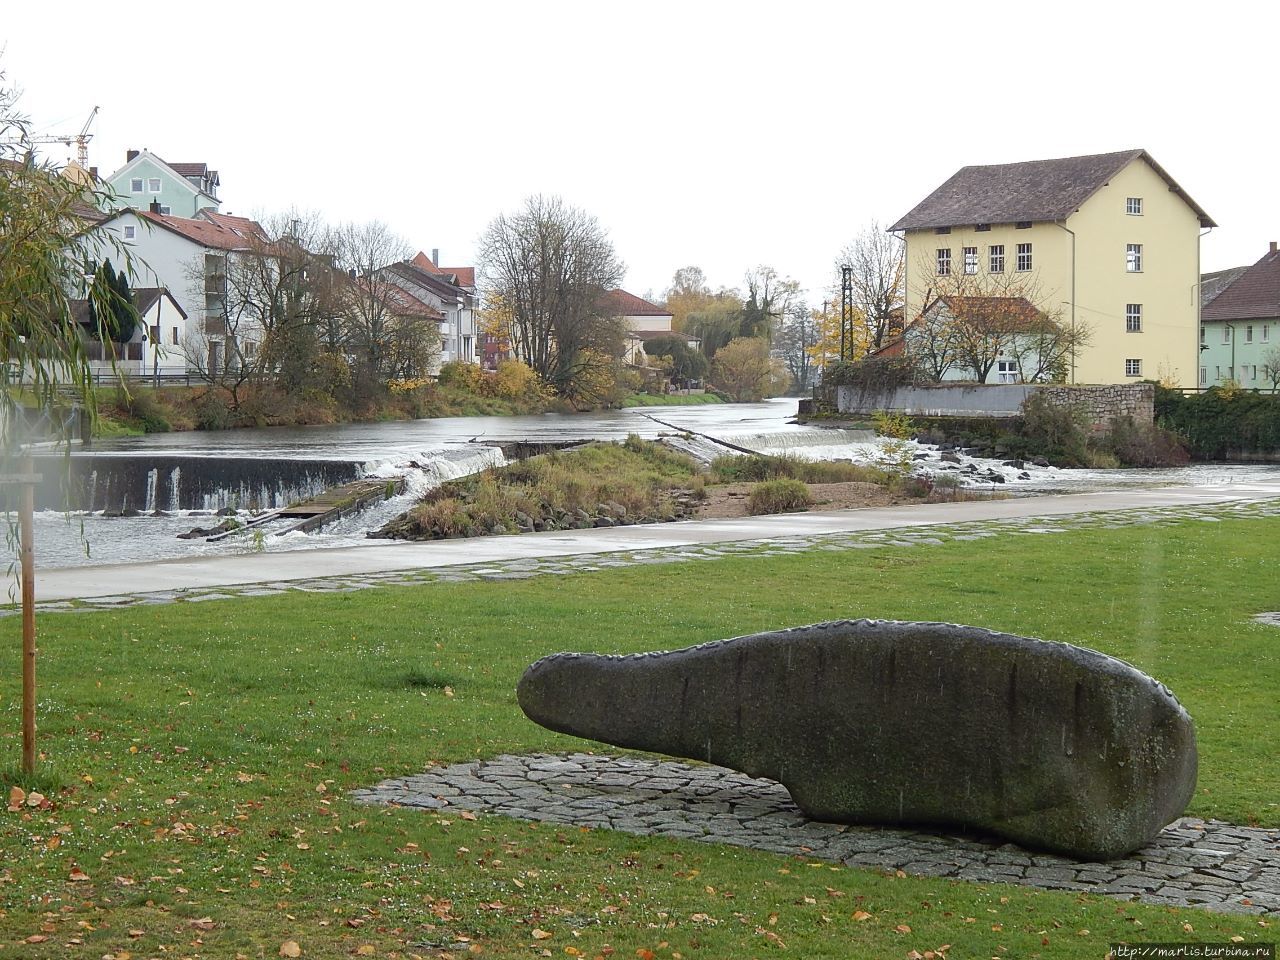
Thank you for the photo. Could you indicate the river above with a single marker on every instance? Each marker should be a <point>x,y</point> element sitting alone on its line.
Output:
<point>183,477</point>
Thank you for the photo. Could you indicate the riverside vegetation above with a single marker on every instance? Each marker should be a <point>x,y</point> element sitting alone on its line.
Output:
<point>637,481</point>
<point>196,760</point>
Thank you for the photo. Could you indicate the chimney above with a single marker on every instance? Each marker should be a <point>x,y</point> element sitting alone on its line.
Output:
<point>93,172</point>
<point>1273,246</point>
<point>154,206</point>
<point>129,155</point>
<point>435,256</point>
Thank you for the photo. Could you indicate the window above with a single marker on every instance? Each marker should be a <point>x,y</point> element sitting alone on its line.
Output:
<point>970,260</point>
<point>1133,206</point>
<point>944,261</point>
<point>135,185</point>
<point>153,185</point>
<point>1248,333</point>
<point>996,257</point>
<point>941,231</point>
<point>174,337</point>
<point>1133,318</point>
<point>1024,257</point>
<point>154,336</point>
<point>444,347</point>
<point>164,209</point>
<point>1133,368</point>
<point>1133,257</point>
<point>1204,376</point>
<point>1266,332</point>
<point>1226,333</point>
<point>1253,371</point>
<point>1203,335</point>
<point>1007,371</point>
<point>983,228</point>
<point>130,232</point>
<point>1217,373</point>
<point>1023,224</point>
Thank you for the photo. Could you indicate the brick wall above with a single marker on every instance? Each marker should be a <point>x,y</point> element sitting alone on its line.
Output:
<point>1101,403</point>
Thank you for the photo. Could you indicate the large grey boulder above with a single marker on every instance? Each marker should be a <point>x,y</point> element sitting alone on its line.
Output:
<point>1050,745</point>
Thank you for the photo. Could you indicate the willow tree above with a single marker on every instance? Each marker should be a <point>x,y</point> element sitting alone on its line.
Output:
<point>44,257</point>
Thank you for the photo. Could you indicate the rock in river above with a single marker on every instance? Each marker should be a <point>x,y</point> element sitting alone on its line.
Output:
<point>1050,745</point>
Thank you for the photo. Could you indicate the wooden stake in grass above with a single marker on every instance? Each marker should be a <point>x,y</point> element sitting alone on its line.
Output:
<point>26,534</point>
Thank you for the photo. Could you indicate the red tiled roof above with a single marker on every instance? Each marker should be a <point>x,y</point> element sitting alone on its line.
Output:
<point>423,262</point>
<point>465,276</point>
<point>207,233</point>
<point>244,225</point>
<point>1255,294</point>
<point>623,304</point>
<point>1017,314</point>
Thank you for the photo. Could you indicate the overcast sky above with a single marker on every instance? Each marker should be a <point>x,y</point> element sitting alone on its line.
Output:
<point>714,134</point>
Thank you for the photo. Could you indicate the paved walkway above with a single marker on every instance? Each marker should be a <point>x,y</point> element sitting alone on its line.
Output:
<point>1194,863</point>
<point>351,568</point>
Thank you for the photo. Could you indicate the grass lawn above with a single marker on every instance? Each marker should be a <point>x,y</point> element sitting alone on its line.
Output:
<point>198,757</point>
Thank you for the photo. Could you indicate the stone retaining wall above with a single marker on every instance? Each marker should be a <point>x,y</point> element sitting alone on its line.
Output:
<point>1001,400</point>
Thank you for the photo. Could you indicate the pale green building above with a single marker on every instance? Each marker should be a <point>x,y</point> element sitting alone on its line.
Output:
<point>1240,326</point>
<point>146,182</point>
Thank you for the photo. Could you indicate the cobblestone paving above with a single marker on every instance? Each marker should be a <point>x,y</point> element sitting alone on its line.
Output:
<point>1210,865</point>
<point>524,568</point>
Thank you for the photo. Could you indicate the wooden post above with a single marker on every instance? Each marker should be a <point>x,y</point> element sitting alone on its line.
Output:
<point>27,535</point>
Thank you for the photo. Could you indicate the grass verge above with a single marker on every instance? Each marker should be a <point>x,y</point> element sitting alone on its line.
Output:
<point>198,755</point>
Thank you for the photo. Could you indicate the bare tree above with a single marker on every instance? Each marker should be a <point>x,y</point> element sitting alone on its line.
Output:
<point>1271,367</point>
<point>370,299</point>
<point>877,273</point>
<point>769,297</point>
<point>550,263</point>
<point>972,321</point>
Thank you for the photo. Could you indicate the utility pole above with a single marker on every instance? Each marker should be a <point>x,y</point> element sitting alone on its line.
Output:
<point>846,313</point>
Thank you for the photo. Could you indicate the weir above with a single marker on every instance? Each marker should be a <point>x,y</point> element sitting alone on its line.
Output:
<point>117,482</point>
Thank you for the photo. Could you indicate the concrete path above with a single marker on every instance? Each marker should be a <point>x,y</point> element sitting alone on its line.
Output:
<point>207,573</point>
<point>1193,863</point>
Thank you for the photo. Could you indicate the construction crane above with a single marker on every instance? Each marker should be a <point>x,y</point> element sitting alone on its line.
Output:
<point>81,140</point>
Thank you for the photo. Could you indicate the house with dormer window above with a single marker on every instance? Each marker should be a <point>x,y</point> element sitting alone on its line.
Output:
<point>1107,245</point>
<point>179,189</point>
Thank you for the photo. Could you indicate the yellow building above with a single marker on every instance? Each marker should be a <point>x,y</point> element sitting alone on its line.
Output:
<point>1108,245</point>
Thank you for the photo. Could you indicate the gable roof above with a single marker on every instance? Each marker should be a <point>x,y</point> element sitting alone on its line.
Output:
<point>207,233</point>
<point>619,303</point>
<point>437,282</point>
<point>182,171</point>
<point>1014,314</point>
<point>459,276</point>
<point>405,304</point>
<point>1212,284</point>
<point>1034,191</point>
<point>144,298</point>
<point>1254,295</point>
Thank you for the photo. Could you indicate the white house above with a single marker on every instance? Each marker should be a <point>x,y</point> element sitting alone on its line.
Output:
<point>644,321</point>
<point>445,292</point>
<point>188,257</point>
<point>155,349</point>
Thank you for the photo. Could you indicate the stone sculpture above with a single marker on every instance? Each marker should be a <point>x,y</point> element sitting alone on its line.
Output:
<point>1053,746</point>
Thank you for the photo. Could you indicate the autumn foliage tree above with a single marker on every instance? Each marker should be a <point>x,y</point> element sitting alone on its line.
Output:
<point>549,264</point>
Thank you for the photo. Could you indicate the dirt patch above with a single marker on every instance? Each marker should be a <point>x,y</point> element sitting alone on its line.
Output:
<point>730,499</point>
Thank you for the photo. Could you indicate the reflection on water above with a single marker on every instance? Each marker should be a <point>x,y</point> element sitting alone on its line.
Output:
<point>427,452</point>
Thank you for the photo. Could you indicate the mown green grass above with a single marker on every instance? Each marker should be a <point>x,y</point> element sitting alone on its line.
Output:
<point>198,756</point>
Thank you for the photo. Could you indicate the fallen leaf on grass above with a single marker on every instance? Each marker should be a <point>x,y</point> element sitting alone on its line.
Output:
<point>861,915</point>
<point>204,923</point>
<point>77,875</point>
<point>540,934</point>
<point>290,948</point>
<point>902,928</point>
<point>365,950</point>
